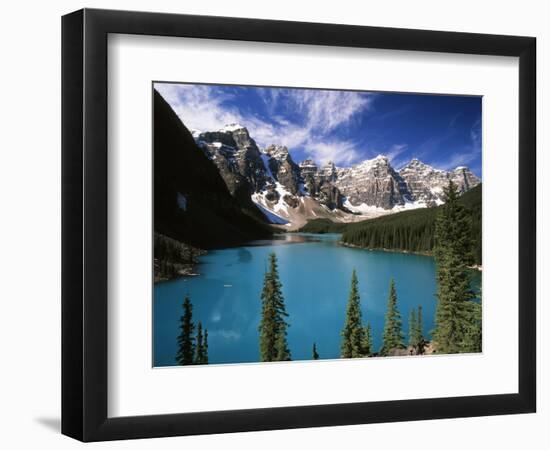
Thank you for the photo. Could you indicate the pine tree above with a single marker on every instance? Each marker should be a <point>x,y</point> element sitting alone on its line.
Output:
<point>453,253</point>
<point>367,340</point>
<point>205,345</point>
<point>273,326</point>
<point>413,328</point>
<point>420,341</point>
<point>416,334</point>
<point>472,338</point>
<point>352,334</point>
<point>314,353</point>
<point>199,347</point>
<point>281,345</point>
<point>393,336</point>
<point>186,346</point>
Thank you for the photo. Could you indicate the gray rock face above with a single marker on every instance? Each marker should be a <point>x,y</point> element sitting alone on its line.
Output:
<point>426,183</point>
<point>283,168</point>
<point>319,183</point>
<point>237,157</point>
<point>271,177</point>
<point>373,182</point>
<point>464,178</point>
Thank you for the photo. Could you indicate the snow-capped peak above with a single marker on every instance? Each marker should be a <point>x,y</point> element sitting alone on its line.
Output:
<point>232,127</point>
<point>195,133</point>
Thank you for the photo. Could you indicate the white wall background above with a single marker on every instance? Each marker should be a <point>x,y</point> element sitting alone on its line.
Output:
<point>30,226</point>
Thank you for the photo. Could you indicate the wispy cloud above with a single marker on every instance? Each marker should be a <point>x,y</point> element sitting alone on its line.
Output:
<point>475,133</point>
<point>469,153</point>
<point>339,152</point>
<point>458,159</point>
<point>308,118</point>
<point>396,150</point>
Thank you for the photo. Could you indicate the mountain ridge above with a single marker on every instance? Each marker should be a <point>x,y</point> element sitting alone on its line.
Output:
<point>289,193</point>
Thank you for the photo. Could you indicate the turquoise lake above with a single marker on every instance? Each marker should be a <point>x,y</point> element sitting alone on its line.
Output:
<point>315,272</point>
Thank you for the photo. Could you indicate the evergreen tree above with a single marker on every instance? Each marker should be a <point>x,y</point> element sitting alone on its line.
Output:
<point>367,340</point>
<point>416,336</point>
<point>273,326</point>
<point>352,334</point>
<point>455,310</point>
<point>186,346</point>
<point>314,353</point>
<point>393,336</point>
<point>199,347</point>
<point>413,329</point>
<point>420,341</point>
<point>205,345</point>
<point>472,338</point>
<point>281,345</point>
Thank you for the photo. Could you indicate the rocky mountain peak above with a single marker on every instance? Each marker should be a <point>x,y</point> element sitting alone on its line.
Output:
<point>464,178</point>
<point>233,127</point>
<point>308,168</point>
<point>279,152</point>
<point>283,188</point>
<point>328,172</point>
<point>426,183</point>
<point>372,182</point>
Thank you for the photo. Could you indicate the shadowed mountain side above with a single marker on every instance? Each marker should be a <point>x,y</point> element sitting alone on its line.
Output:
<point>191,201</point>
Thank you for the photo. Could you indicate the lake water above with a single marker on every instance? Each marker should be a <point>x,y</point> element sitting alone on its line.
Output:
<point>315,272</point>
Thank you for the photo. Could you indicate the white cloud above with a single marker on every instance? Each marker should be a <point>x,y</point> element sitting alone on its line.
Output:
<point>198,106</point>
<point>396,150</point>
<point>320,112</point>
<point>326,110</point>
<point>339,152</point>
<point>459,159</point>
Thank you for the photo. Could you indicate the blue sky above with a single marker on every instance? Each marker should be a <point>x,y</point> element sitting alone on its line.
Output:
<point>345,127</point>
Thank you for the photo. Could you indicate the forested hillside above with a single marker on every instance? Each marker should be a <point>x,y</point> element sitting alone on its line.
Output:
<point>322,226</point>
<point>412,230</point>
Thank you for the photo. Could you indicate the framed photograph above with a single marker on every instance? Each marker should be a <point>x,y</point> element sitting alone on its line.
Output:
<point>273,224</point>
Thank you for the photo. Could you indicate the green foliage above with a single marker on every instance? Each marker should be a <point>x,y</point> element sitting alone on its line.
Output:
<point>273,326</point>
<point>472,337</point>
<point>314,354</point>
<point>205,345</point>
<point>393,336</point>
<point>416,334</point>
<point>456,311</point>
<point>173,258</point>
<point>414,231</point>
<point>352,334</point>
<point>186,344</point>
<point>413,327</point>
<point>367,340</point>
<point>191,349</point>
<point>201,346</point>
<point>322,226</point>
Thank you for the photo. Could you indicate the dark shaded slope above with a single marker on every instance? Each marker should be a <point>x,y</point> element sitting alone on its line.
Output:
<point>191,201</point>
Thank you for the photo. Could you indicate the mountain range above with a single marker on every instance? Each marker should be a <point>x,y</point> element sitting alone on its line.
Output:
<point>289,193</point>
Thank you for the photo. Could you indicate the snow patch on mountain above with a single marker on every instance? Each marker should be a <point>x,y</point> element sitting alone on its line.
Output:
<point>290,194</point>
<point>232,127</point>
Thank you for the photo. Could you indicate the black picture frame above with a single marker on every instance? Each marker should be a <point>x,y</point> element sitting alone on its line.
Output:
<point>84,224</point>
